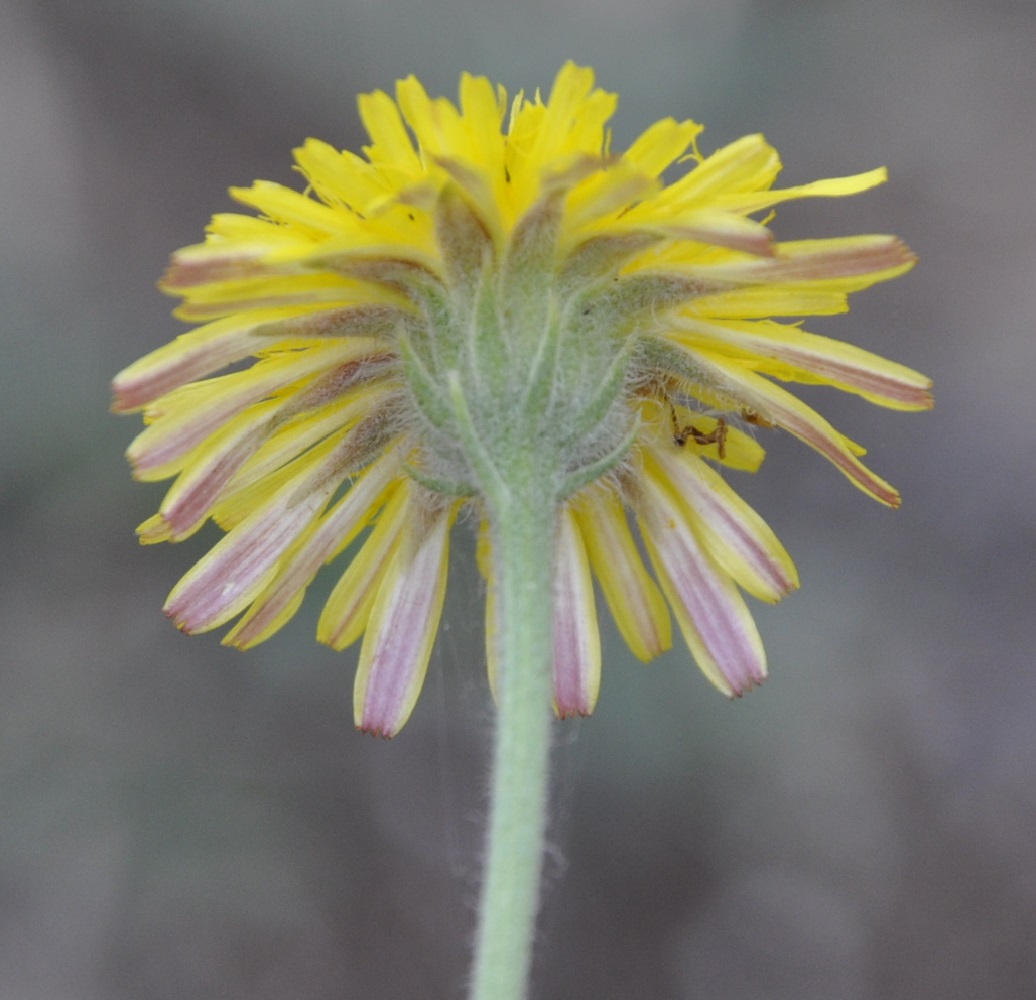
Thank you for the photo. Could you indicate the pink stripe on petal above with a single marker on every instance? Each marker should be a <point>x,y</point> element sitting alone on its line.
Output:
<point>577,641</point>
<point>885,387</point>
<point>737,536</point>
<point>780,407</point>
<point>191,414</point>
<point>187,505</point>
<point>202,309</point>
<point>333,532</point>
<point>636,604</point>
<point>164,447</point>
<point>883,382</point>
<point>712,615</point>
<point>401,631</point>
<point>206,350</point>
<point>723,229</point>
<point>812,260</point>
<point>348,607</point>
<point>187,358</point>
<point>228,578</point>
<point>201,265</point>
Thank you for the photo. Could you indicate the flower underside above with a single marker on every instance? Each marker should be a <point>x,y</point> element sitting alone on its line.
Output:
<point>490,288</point>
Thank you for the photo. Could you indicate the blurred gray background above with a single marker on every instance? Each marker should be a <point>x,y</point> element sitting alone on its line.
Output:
<point>184,821</point>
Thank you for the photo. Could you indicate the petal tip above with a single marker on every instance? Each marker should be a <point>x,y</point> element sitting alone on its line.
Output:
<point>742,686</point>
<point>374,729</point>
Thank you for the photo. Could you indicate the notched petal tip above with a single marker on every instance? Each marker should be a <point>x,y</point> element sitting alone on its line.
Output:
<point>181,626</point>
<point>572,713</point>
<point>739,690</point>
<point>372,730</point>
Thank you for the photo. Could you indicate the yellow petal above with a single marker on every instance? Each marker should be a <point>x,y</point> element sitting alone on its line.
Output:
<point>484,559</point>
<point>660,144</point>
<point>391,148</point>
<point>769,300</point>
<point>747,164</point>
<point>340,178</point>
<point>289,207</point>
<point>831,187</point>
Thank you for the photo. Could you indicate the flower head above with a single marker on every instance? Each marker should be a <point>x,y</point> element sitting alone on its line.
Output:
<point>491,296</point>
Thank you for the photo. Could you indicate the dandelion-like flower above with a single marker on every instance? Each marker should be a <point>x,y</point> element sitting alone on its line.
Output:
<point>491,303</point>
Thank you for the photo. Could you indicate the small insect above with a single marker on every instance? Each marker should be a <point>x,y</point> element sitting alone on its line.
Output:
<point>751,417</point>
<point>717,436</point>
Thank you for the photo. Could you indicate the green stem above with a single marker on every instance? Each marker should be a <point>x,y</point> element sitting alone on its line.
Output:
<point>523,526</point>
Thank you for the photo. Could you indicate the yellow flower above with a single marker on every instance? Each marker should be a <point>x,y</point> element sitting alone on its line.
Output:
<point>487,280</point>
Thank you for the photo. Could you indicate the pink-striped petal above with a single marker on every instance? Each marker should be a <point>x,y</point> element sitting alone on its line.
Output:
<point>360,410</point>
<point>401,631</point>
<point>236,246</point>
<point>278,603</point>
<point>636,604</point>
<point>721,229</point>
<point>883,382</point>
<point>780,407</point>
<point>851,262</point>
<point>577,641</point>
<point>716,624</point>
<point>191,356</point>
<point>187,416</point>
<point>232,574</point>
<point>189,501</point>
<point>348,608</point>
<point>211,347</point>
<point>734,534</point>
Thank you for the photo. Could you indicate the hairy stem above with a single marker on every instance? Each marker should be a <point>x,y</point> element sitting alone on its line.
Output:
<point>522,521</point>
